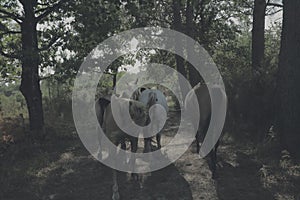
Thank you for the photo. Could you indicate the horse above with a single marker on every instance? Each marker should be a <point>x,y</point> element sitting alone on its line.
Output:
<point>139,116</point>
<point>138,110</point>
<point>204,104</point>
<point>151,97</point>
<point>100,106</point>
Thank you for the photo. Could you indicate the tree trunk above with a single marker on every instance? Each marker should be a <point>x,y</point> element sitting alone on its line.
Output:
<point>258,50</point>
<point>177,23</point>
<point>289,78</point>
<point>30,86</point>
<point>194,76</point>
<point>258,34</point>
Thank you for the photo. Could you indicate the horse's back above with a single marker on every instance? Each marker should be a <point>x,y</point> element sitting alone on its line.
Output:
<point>160,98</point>
<point>204,104</point>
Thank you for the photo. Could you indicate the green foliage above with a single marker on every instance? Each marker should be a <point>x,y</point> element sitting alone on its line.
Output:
<point>92,22</point>
<point>234,61</point>
<point>222,27</point>
<point>12,103</point>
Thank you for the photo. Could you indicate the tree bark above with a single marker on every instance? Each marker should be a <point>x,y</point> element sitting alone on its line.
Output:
<point>258,34</point>
<point>289,78</point>
<point>177,24</point>
<point>30,86</point>
<point>194,75</point>
<point>258,51</point>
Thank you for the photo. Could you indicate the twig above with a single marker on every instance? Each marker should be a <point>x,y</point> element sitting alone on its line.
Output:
<point>12,16</point>
<point>52,41</point>
<point>275,5</point>
<point>50,9</point>
<point>11,56</point>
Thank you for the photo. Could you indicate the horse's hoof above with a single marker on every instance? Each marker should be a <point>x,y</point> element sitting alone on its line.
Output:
<point>220,165</point>
<point>99,155</point>
<point>135,176</point>
<point>141,186</point>
<point>214,176</point>
<point>116,196</point>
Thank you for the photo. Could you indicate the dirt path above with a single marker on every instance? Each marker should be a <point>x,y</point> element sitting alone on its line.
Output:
<point>76,175</point>
<point>64,170</point>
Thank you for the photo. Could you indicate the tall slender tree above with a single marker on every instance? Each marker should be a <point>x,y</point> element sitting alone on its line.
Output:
<point>258,34</point>
<point>177,25</point>
<point>289,77</point>
<point>258,31</point>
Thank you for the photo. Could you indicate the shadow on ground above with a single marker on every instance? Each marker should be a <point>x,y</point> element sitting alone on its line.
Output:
<point>74,174</point>
<point>241,182</point>
<point>91,180</point>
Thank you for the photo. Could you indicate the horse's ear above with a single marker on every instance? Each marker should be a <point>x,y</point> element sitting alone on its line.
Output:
<point>143,89</point>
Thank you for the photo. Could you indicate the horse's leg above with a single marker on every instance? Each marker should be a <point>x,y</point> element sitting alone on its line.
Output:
<point>158,136</point>
<point>99,151</point>
<point>123,145</point>
<point>198,142</point>
<point>213,160</point>
<point>100,112</point>
<point>147,149</point>
<point>210,163</point>
<point>134,146</point>
<point>115,188</point>
<point>147,145</point>
<point>215,153</point>
<point>123,154</point>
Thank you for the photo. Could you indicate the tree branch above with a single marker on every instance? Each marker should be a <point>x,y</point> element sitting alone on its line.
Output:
<point>41,10</point>
<point>275,5</point>
<point>46,77</point>
<point>273,13</point>
<point>50,9</point>
<point>11,56</point>
<point>52,41</point>
<point>13,16</point>
<point>42,4</point>
<point>9,32</point>
<point>4,16</point>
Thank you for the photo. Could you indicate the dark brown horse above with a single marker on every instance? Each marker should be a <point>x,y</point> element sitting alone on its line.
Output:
<point>204,105</point>
<point>138,113</point>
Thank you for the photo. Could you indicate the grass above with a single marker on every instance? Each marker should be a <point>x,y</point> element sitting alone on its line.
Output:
<point>53,168</point>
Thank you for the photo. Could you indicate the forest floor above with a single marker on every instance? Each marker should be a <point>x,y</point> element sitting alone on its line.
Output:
<point>62,169</point>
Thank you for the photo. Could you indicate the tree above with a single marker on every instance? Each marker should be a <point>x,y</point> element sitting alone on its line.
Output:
<point>88,30</point>
<point>258,34</point>
<point>208,22</point>
<point>289,78</point>
<point>21,18</point>
<point>194,76</point>
<point>258,57</point>
<point>177,25</point>
<point>258,31</point>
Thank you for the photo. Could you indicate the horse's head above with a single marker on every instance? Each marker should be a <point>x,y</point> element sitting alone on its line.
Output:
<point>138,112</point>
<point>136,94</point>
<point>152,99</point>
